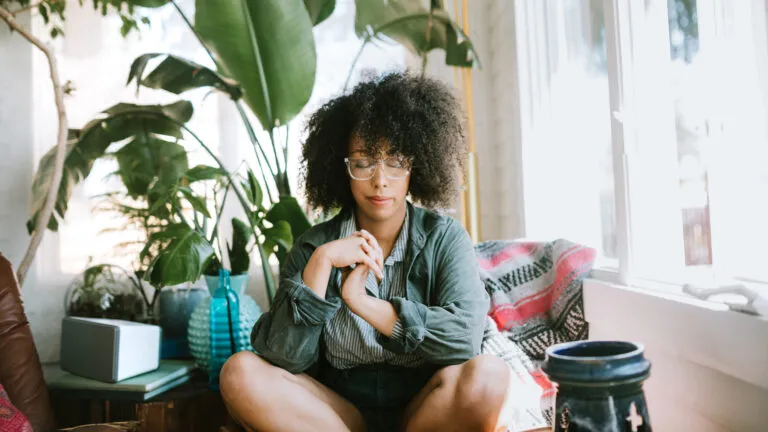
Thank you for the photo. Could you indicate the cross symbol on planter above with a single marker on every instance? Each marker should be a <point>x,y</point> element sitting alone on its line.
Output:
<point>634,419</point>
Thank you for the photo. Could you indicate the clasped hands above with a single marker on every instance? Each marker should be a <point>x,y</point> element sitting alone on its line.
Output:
<point>362,250</point>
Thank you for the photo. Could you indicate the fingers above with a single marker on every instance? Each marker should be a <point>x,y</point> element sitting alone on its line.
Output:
<point>370,262</point>
<point>371,240</point>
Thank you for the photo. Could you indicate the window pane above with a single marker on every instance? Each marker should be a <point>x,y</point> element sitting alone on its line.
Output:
<point>567,152</point>
<point>719,80</point>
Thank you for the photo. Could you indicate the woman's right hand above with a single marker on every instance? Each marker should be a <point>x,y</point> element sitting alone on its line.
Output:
<point>355,249</point>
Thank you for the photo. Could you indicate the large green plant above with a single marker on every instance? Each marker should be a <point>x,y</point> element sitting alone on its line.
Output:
<point>265,60</point>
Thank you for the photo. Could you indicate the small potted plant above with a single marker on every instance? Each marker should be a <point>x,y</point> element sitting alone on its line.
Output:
<point>107,291</point>
<point>239,260</point>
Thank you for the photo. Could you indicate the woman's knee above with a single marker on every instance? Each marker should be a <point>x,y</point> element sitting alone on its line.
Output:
<point>483,377</point>
<point>241,370</point>
<point>481,388</point>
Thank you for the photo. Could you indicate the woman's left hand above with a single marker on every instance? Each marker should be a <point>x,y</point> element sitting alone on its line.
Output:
<point>353,284</point>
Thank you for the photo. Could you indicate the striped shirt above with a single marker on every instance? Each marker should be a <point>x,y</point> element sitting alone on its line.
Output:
<point>350,341</point>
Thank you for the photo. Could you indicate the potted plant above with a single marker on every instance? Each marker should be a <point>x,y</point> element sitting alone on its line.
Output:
<point>269,71</point>
<point>106,291</point>
<point>239,260</point>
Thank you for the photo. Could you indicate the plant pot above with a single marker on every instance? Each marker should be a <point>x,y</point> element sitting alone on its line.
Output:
<point>599,386</point>
<point>173,309</point>
<point>175,306</point>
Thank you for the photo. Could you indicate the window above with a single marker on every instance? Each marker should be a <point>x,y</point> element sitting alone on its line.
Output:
<point>567,165</point>
<point>644,132</point>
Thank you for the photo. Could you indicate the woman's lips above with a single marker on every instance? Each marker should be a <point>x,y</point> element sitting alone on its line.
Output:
<point>379,201</point>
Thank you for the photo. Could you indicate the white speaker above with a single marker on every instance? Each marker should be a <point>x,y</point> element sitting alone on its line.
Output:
<point>108,350</point>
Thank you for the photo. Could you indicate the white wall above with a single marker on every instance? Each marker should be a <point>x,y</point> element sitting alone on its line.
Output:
<point>16,140</point>
<point>497,120</point>
<point>25,98</point>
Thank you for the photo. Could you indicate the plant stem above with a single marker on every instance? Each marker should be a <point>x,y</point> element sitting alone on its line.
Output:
<point>61,146</point>
<point>192,29</point>
<point>181,216</point>
<point>354,62</point>
<point>257,145</point>
<point>285,149</point>
<point>214,233</point>
<point>268,278</point>
<point>254,140</point>
<point>427,39</point>
<point>260,71</point>
<point>282,177</point>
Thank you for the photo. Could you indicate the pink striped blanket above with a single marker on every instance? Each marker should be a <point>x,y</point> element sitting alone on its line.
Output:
<point>536,298</point>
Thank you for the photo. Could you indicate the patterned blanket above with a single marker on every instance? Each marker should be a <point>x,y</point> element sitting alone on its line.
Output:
<point>536,301</point>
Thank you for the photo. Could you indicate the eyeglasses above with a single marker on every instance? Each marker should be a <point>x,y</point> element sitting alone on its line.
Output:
<point>395,167</point>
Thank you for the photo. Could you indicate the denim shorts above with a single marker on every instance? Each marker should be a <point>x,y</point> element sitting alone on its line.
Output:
<point>380,392</point>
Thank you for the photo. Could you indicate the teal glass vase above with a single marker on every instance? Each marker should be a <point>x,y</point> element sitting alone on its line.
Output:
<point>221,324</point>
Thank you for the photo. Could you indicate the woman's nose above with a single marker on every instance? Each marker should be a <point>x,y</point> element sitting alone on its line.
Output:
<point>379,177</point>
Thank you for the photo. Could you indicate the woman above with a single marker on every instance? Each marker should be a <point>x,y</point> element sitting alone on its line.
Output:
<point>379,316</point>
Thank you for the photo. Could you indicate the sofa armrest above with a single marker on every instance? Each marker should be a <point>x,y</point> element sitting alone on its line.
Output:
<point>20,371</point>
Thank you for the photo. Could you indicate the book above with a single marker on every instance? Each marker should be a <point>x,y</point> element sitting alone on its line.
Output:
<point>170,374</point>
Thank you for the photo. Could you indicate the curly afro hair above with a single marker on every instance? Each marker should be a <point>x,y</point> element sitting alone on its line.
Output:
<point>418,117</point>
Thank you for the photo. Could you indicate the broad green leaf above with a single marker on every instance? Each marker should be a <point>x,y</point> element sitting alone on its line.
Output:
<point>203,172</point>
<point>255,194</point>
<point>115,124</point>
<point>319,10</point>
<point>268,47</point>
<point>407,22</point>
<point>183,259</point>
<point>177,75</point>
<point>288,209</point>
<point>146,159</point>
<point>278,240</point>
<point>459,51</point>
<point>195,201</point>
<point>238,250</point>
<point>280,234</point>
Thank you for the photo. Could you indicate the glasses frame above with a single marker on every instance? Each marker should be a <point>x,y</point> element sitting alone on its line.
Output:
<point>379,163</point>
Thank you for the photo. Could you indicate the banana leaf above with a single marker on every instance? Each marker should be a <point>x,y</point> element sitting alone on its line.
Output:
<point>201,173</point>
<point>407,22</point>
<point>319,10</point>
<point>268,47</point>
<point>89,144</point>
<point>177,75</point>
<point>147,159</point>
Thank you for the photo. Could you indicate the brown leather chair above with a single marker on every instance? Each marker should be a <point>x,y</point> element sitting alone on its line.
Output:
<point>20,370</point>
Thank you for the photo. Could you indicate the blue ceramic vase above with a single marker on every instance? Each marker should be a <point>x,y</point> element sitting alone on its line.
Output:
<point>599,386</point>
<point>221,321</point>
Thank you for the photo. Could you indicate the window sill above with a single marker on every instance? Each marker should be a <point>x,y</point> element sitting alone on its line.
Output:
<point>703,332</point>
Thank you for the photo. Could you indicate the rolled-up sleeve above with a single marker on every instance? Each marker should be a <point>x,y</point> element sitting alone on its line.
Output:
<point>289,334</point>
<point>450,331</point>
<point>307,308</point>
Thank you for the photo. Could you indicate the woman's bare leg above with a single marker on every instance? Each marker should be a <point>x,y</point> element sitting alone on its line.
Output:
<point>265,398</point>
<point>465,397</point>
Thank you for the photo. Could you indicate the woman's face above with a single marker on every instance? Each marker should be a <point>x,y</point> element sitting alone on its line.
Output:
<point>382,196</point>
